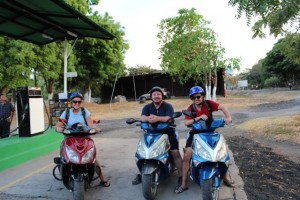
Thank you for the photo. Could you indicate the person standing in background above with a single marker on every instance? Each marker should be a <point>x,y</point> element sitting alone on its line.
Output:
<point>6,114</point>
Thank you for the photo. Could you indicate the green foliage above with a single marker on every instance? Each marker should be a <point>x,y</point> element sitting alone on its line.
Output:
<point>278,63</point>
<point>16,59</point>
<point>290,47</point>
<point>189,48</point>
<point>273,81</point>
<point>256,76</point>
<point>100,60</point>
<point>140,70</point>
<point>272,13</point>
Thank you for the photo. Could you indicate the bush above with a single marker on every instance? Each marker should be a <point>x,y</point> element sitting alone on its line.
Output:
<point>273,82</point>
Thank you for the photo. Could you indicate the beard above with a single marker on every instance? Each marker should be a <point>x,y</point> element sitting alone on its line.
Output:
<point>156,102</point>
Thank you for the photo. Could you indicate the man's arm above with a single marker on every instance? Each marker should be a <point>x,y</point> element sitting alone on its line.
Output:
<point>154,119</point>
<point>90,123</point>
<point>227,114</point>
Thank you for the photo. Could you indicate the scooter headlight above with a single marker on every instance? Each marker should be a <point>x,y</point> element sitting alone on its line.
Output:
<point>201,151</point>
<point>222,152</point>
<point>158,150</point>
<point>88,156</point>
<point>140,150</point>
<point>72,155</point>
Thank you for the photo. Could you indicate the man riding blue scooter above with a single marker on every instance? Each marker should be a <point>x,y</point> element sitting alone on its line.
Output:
<point>161,111</point>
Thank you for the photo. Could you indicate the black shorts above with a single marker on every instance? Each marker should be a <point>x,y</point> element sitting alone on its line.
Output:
<point>173,140</point>
<point>189,140</point>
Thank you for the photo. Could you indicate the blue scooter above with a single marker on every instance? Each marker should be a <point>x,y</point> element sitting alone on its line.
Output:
<point>210,158</point>
<point>152,156</point>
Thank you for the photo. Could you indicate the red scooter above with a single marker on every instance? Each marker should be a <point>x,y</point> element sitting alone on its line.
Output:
<point>76,163</point>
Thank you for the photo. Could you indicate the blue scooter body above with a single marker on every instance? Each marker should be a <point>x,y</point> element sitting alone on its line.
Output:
<point>210,158</point>
<point>153,151</point>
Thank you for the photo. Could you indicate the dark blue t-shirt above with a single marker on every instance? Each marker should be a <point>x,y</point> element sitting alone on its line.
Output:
<point>165,109</point>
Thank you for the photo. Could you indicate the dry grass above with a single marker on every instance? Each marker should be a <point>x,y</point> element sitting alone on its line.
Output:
<point>231,101</point>
<point>281,128</point>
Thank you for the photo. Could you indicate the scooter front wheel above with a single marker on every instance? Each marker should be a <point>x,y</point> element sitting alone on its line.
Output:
<point>78,190</point>
<point>149,185</point>
<point>209,190</point>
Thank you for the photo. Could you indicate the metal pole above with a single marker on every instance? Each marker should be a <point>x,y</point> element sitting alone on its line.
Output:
<point>134,87</point>
<point>112,94</point>
<point>65,64</point>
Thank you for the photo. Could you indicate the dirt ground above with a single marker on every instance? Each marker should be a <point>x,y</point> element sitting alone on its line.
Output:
<point>265,138</point>
<point>269,162</point>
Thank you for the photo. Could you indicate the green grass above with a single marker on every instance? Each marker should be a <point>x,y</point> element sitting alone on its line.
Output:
<point>16,150</point>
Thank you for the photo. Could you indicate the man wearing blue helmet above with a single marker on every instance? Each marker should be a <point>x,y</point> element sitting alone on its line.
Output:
<point>78,114</point>
<point>201,109</point>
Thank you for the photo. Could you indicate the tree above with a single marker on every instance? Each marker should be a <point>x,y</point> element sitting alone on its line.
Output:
<point>16,58</point>
<point>256,75</point>
<point>290,47</point>
<point>189,49</point>
<point>272,13</point>
<point>141,69</point>
<point>277,63</point>
<point>100,60</point>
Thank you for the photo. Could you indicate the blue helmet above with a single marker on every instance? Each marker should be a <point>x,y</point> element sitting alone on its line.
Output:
<point>76,94</point>
<point>196,90</point>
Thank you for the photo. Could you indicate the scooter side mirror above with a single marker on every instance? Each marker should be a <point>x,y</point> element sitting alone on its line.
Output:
<point>187,113</point>
<point>64,121</point>
<point>176,114</point>
<point>96,121</point>
<point>131,121</point>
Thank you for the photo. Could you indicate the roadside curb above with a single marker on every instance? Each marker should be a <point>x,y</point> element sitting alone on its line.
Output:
<point>239,192</point>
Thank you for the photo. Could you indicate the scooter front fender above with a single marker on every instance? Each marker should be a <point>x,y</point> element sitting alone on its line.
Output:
<point>149,167</point>
<point>208,171</point>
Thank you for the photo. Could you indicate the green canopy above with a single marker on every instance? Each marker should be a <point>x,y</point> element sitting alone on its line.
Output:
<point>44,21</point>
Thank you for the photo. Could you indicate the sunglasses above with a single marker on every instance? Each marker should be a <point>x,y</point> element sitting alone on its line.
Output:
<point>196,97</point>
<point>79,102</point>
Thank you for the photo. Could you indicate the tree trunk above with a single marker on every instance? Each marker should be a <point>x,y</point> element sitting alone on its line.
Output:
<point>49,85</point>
<point>87,93</point>
<point>215,80</point>
<point>208,90</point>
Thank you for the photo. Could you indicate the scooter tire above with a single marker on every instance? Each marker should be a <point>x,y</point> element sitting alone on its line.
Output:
<point>78,190</point>
<point>149,185</point>
<point>209,192</point>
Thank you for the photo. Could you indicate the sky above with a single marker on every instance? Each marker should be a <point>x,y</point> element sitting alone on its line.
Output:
<point>141,17</point>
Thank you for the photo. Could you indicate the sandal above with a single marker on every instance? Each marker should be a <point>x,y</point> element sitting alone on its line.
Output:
<point>137,180</point>
<point>179,189</point>
<point>228,183</point>
<point>104,184</point>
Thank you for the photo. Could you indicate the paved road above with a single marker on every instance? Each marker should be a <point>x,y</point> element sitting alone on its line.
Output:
<point>115,148</point>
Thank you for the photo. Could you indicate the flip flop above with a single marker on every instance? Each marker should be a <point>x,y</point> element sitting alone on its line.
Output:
<point>229,183</point>
<point>104,184</point>
<point>179,189</point>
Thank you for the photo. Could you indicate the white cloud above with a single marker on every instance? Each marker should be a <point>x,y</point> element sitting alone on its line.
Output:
<point>140,19</point>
